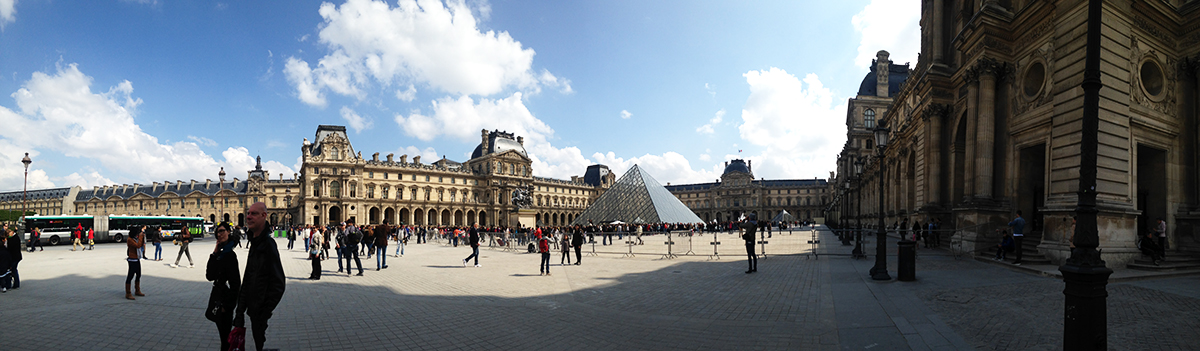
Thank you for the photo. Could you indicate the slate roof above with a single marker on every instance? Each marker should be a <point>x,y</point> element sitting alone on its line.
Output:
<point>780,183</point>
<point>181,189</point>
<point>897,74</point>
<point>40,194</point>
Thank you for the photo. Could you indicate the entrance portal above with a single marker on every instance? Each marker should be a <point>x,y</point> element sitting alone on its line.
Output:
<point>1151,187</point>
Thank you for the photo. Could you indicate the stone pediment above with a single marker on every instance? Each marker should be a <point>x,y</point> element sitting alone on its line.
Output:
<point>512,155</point>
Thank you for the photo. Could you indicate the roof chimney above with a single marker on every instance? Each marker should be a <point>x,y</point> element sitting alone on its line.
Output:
<point>882,71</point>
<point>375,157</point>
<point>417,159</point>
<point>389,158</point>
<point>404,158</point>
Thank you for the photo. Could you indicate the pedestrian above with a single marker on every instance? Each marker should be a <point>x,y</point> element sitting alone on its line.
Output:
<point>639,235</point>
<point>402,235</point>
<point>577,243</point>
<point>565,245</point>
<point>381,242</point>
<point>35,240</point>
<point>75,235</point>
<point>916,231</point>
<point>544,250</point>
<point>1006,245</point>
<point>263,282</point>
<point>340,244</point>
<point>749,225</point>
<point>13,246</point>
<point>222,270</point>
<point>5,265</point>
<point>368,241</point>
<point>291,236</point>
<point>156,238</point>
<point>184,239</point>
<point>91,239</point>
<point>1148,247</point>
<point>136,241</point>
<point>473,239</point>
<point>350,249</point>
<point>314,255</point>
<point>1160,231</point>
<point>1018,233</point>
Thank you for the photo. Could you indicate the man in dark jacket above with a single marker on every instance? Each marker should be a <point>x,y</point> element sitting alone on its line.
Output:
<point>263,283</point>
<point>750,225</point>
<point>381,241</point>
<point>577,243</point>
<point>473,236</point>
<point>353,237</point>
<point>14,252</point>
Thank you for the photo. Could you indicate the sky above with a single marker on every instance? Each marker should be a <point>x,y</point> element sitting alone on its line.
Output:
<point>139,91</point>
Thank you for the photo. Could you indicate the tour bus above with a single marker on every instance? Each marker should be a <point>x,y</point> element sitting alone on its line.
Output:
<point>57,229</point>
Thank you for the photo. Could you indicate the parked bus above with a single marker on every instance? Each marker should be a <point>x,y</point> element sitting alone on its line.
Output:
<point>115,228</point>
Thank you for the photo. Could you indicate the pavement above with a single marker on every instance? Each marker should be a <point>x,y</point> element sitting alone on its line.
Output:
<point>427,300</point>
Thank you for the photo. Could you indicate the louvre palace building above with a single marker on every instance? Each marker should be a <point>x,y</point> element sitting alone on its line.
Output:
<point>988,122</point>
<point>737,193</point>
<point>336,183</point>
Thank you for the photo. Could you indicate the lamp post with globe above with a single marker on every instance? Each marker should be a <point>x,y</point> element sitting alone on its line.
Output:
<point>858,249</point>
<point>25,191</point>
<point>879,271</point>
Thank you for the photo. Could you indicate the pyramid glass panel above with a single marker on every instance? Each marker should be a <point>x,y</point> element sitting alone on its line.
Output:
<point>637,198</point>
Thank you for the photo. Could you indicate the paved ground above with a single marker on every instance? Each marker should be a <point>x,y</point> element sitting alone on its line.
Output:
<point>428,300</point>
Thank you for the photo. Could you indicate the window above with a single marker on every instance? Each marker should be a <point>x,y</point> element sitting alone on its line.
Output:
<point>414,177</point>
<point>869,118</point>
<point>371,175</point>
<point>439,179</point>
<point>385,191</point>
<point>414,193</point>
<point>870,144</point>
<point>385,175</point>
<point>335,189</point>
<point>427,178</point>
<point>370,191</point>
<point>273,202</point>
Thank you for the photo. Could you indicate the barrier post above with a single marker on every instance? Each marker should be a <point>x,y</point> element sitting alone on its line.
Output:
<point>689,251</point>
<point>813,242</point>
<point>629,242</point>
<point>714,243</point>
<point>593,253</point>
<point>763,242</point>
<point>669,244</point>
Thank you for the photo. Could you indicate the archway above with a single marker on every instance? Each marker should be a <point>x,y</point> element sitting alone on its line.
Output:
<point>274,219</point>
<point>432,214</point>
<point>458,217</point>
<point>373,215</point>
<point>212,218</point>
<point>471,218</point>
<point>419,217</point>
<point>335,214</point>
<point>241,220</point>
<point>483,218</point>
<point>225,218</point>
<point>446,217</point>
<point>404,218</point>
<point>389,216</point>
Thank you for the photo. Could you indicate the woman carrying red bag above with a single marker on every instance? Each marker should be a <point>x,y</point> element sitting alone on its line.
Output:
<point>222,270</point>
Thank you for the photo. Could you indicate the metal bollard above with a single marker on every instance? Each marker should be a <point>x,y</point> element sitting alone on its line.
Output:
<point>907,266</point>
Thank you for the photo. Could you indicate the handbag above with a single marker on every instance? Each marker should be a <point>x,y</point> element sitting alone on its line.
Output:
<point>237,339</point>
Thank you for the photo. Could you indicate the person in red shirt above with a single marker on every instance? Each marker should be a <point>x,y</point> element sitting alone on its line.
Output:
<point>91,239</point>
<point>544,249</point>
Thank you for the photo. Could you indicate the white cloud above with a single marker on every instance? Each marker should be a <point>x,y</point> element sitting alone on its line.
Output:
<point>890,25</point>
<point>8,12</point>
<point>625,114</point>
<point>712,89</point>
<point>670,167</point>
<point>14,177</point>
<point>99,127</point>
<point>708,128</point>
<point>355,121</point>
<point>796,122</point>
<point>705,157</point>
<point>202,140</point>
<point>428,154</point>
<point>407,95</point>
<point>85,181</point>
<point>418,41</point>
<point>238,161</point>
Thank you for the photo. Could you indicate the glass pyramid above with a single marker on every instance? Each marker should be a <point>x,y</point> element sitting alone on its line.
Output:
<point>637,198</point>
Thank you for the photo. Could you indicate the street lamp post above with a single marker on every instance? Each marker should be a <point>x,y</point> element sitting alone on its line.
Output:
<point>858,249</point>
<point>25,191</point>
<point>1085,317</point>
<point>879,272</point>
<point>846,236</point>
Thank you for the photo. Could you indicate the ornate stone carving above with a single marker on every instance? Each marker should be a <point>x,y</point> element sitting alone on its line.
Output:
<point>935,111</point>
<point>1021,102</point>
<point>1164,101</point>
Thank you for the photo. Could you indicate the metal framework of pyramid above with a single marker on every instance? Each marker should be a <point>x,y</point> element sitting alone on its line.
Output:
<point>637,198</point>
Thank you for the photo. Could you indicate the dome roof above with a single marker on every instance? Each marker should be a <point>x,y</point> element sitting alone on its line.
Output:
<point>736,166</point>
<point>897,74</point>
<point>498,143</point>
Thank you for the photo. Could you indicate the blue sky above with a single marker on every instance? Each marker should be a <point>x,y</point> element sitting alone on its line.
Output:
<point>103,92</point>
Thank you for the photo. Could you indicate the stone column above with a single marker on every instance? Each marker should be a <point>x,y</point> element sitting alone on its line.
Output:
<point>933,152</point>
<point>985,137</point>
<point>968,190</point>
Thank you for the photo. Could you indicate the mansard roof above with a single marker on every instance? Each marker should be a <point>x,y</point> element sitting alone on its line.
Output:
<point>40,194</point>
<point>179,188</point>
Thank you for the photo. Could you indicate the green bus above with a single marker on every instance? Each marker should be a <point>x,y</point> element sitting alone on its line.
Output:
<point>114,228</point>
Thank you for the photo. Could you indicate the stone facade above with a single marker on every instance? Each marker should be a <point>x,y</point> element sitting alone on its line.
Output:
<point>989,123</point>
<point>738,192</point>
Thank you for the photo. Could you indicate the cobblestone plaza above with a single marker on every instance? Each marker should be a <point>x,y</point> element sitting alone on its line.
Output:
<point>427,300</point>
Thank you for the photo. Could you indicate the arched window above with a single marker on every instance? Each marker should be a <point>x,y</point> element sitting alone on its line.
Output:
<point>335,189</point>
<point>869,118</point>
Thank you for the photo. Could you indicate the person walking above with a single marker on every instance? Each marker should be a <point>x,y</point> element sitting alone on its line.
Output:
<point>222,270</point>
<point>749,225</point>
<point>544,250</point>
<point>314,255</point>
<point>340,242</point>
<point>91,239</point>
<point>184,238</point>
<point>35,240</point>
<point>263,283</point>
<point>381,242</point>
<point>13,246</point>
<point>473,239</point>
<point>75,235</point>
<point>136,241</point>
<point>565,245</point>
<point>155,238</point>
<point>402,235</point>
<point>5,264</point>
<point>577,243</point>
<point>350,249</point>
<point>1018,233</point>
<point>1160,231</point>
<point>291,236</point>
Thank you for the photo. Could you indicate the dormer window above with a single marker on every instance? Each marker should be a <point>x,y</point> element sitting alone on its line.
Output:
<point>333,153</point>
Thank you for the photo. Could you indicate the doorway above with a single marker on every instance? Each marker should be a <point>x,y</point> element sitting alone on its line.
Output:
<point>1151,186</point>
<point>1031,186</point>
